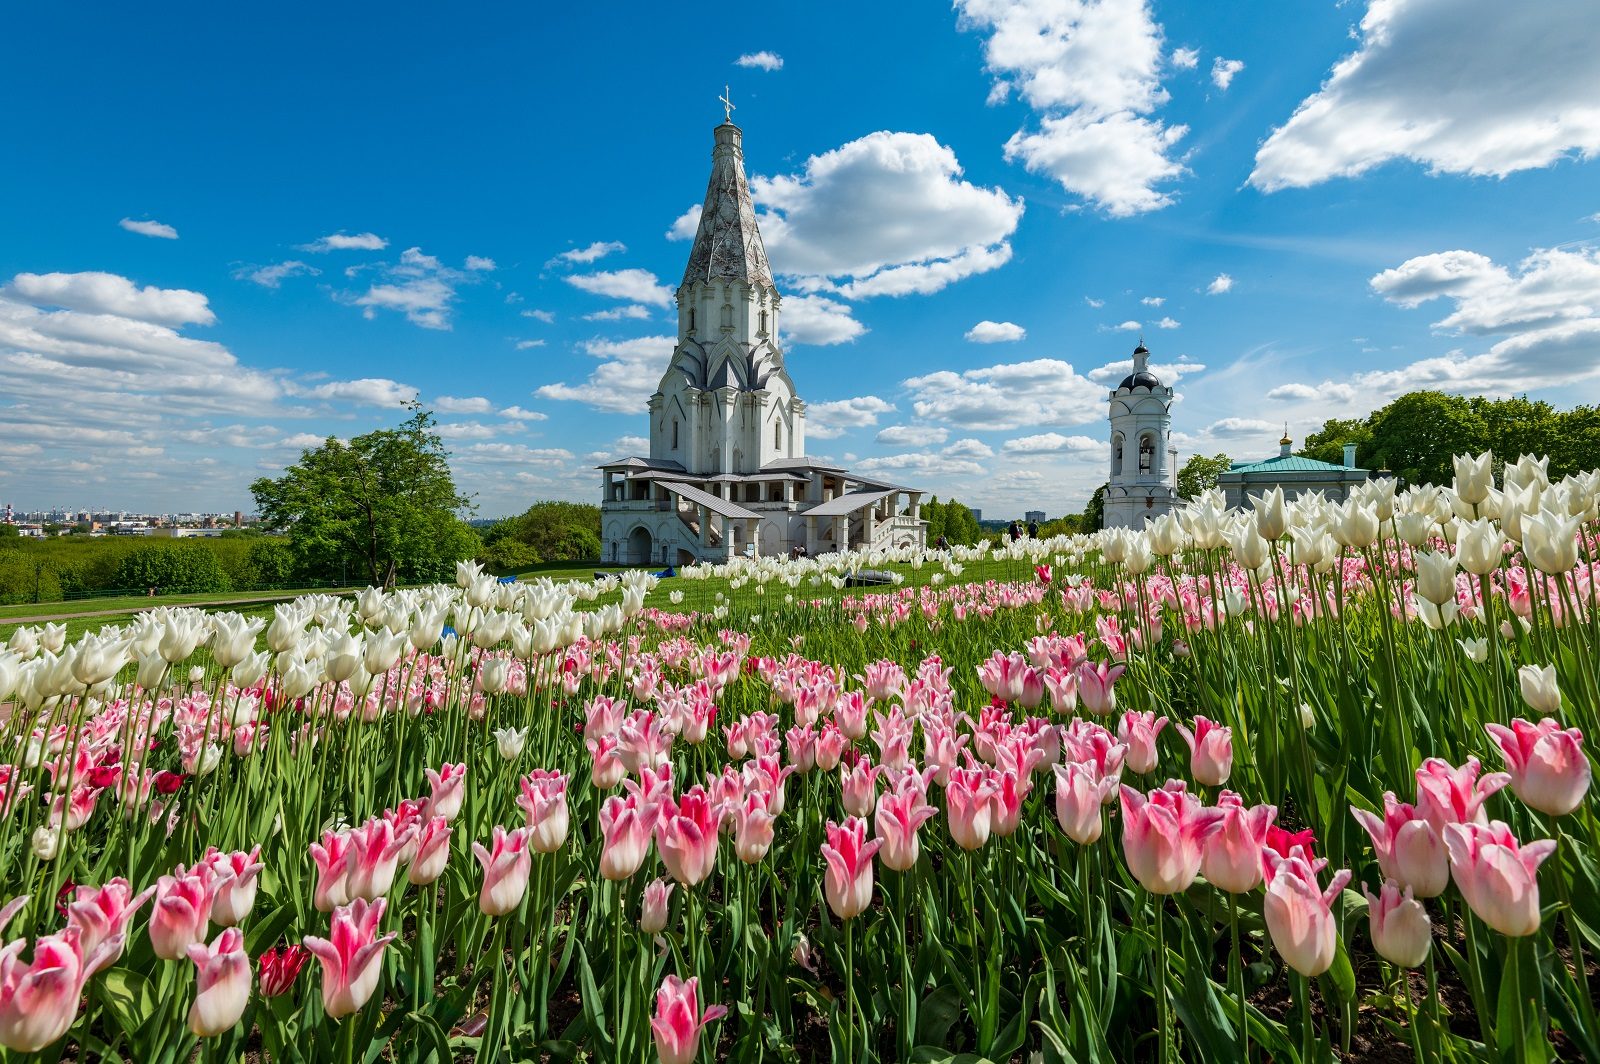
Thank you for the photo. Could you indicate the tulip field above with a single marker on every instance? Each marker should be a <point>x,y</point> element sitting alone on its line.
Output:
<point>1300,783</point>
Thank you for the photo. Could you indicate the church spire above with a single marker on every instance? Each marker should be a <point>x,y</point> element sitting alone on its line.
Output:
<point>728,245</point>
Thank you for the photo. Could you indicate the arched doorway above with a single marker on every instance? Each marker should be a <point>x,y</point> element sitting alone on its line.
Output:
<point>640,545</point>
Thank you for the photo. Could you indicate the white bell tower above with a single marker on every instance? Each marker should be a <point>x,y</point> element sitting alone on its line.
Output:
<point>1144,465</point>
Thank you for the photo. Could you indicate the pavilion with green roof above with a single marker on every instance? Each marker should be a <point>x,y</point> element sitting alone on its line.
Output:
<point>1295,474</point>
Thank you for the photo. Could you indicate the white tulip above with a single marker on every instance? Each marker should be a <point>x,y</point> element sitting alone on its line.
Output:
<point>152,671</point>
<point>1539,688</point>
<point>248,671</point>
<point>1436,576</point>
<point>46,842</point>
<point>1475,649</point>
<point>510,741</point>
<point>1474,477</point>
<point>1549,541</point>
<point>53,637</point>
<point>1479,545</point>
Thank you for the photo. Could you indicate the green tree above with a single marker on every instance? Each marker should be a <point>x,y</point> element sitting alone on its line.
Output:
<point>549,531</point>
<point>271,563</point>
<point>385,504</point>
<point>1416,436</point>
<point>8,531</point>
<point>1199,474</point>
<point>174,568</point>
<point>1094,514</point>
<point>1327,443</point>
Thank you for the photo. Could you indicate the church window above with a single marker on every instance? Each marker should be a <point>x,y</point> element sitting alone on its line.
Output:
<point>777,435</point>
<point>1147,453</point>
<point>1116,455</point>
<point>691,319</point>
<point>675,432</point>
<point>763,323</point>
<point>727,315</point>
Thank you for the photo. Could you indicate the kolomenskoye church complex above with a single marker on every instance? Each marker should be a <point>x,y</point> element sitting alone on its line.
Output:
<point>727,474</point>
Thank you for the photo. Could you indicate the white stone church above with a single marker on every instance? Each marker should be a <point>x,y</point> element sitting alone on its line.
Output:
<point>1144,464</point>
<point>727,473</point>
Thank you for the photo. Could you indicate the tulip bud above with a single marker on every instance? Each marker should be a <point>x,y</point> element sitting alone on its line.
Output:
<point>1401,931</point>
<point>1539,689</point>
<point>655,905</point>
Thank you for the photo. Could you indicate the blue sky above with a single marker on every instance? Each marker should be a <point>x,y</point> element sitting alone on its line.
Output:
<point>223,237</point>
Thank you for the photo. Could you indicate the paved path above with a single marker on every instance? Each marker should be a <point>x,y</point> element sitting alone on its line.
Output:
<point>41,618</point>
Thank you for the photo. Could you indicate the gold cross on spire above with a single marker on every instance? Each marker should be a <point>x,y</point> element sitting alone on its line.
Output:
<point>727,105</point>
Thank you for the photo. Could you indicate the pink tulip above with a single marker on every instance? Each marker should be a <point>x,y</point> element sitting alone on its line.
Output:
<point>848,883</point>
<point>433,852</point>
<point>654,906</point>
<point>1080,793</point>
<point>182,910</point>
<point>1062,683</point>
<point>1410,850</point>
<point>505,870</point>
<point>901,812</point>
<point>374,859</point>
<point>753,828</point>
<point>626,830</point>
<point>969,805</point>
<point>1401,931</point>
<point>16,905</point>
<point>686,836</point>
<point>858,786</point>
<point>1447,795</point>
<point>1097,688</point>
<point>1210,751</point>
<point>39,1000</point>
<point>603,716</point>
<point>1498,877</point>
<point>1231,859</point>
<point>831,745</point>
<point>1164,834</point>
<point>606,767</point>
<point>449,786</point>
<point>1011,789</point>
<point>678,1020</point>
<point>1092,745</point>
<point>765,776</point>
<point>1549,770</point>
<point>100,914</point>
<point>1299,916</point>
<point>941,749</point>
<point>544,802</point>
<point>1138,731</point>
<point>800,747</point>
<point>238,880</point>
<point>334,857</point>
<point>350,956</point>
<point>222,983</point>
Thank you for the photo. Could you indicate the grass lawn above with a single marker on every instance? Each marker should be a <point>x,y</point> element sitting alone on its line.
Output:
<point>698,595</point>
<point>145,602</point>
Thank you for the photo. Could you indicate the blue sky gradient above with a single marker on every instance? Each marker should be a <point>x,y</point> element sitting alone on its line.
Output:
<point>153,371</point>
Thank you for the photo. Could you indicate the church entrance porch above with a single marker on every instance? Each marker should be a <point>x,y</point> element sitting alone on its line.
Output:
<point>640,546</point>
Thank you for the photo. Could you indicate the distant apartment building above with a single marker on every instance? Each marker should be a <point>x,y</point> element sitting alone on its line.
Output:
<point>1035,517</point>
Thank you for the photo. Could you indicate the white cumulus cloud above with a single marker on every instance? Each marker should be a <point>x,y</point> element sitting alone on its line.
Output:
<point>1223,72</point>
<point>1473,87</point>
<point>913,435</point>
<point>832,419</point>
<point>760,61</point>
<point>628,374</point>
<point>995,332</point>
<point>274,274</point>
<point>1013,395</point>
<point>346,242</point>
<point>634,285</point>
<point>1221,284</point>
<point>107,293</point>
<point>818,320</point>
<point>146,227</point>
<point>590,253</point>
<point>888,214</point>
<point>1091,73</point>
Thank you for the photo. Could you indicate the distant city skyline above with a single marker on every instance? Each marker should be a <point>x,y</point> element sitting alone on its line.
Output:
<point>232,240</point>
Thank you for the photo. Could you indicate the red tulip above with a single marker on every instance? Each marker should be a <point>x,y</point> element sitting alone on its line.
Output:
<point>279,967</point>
